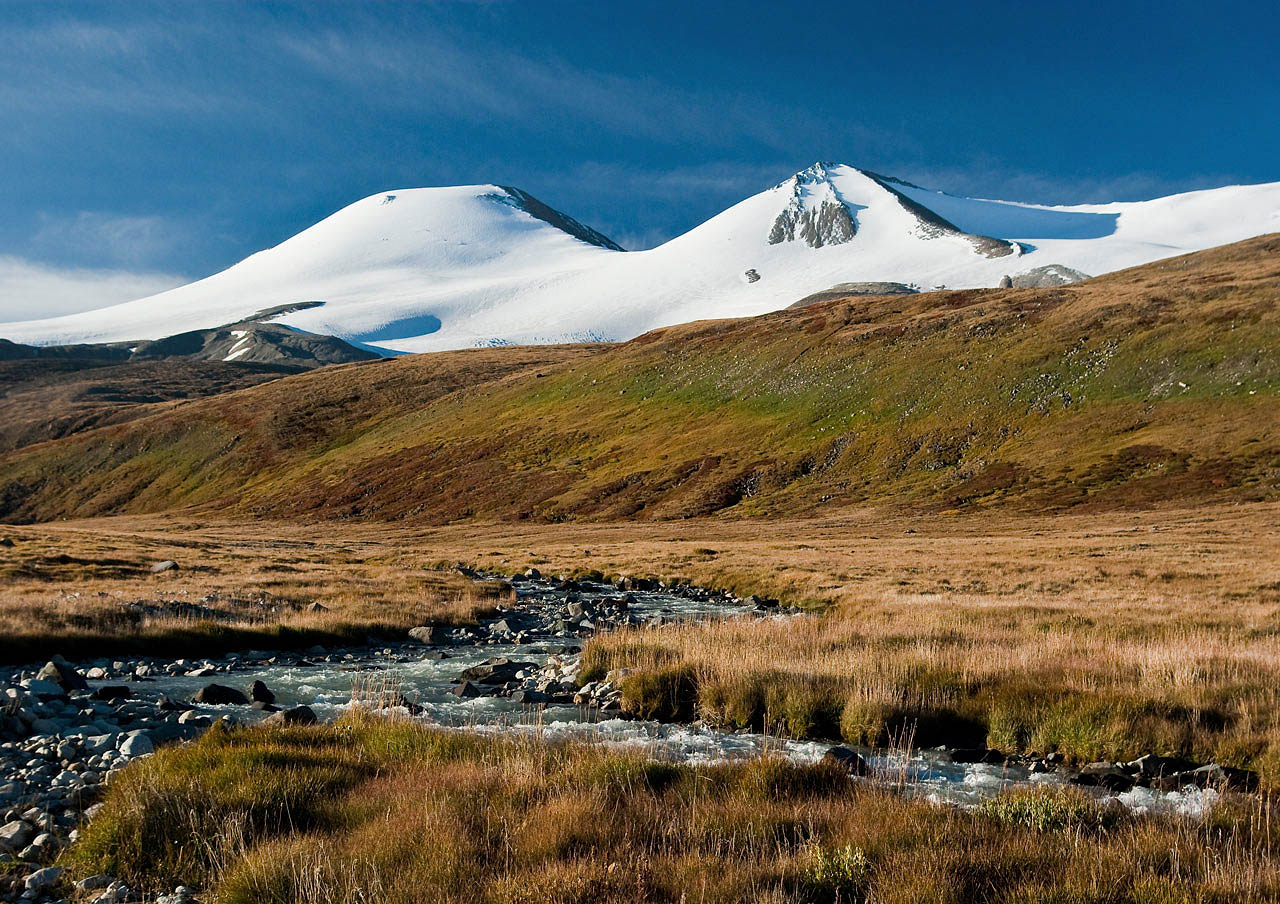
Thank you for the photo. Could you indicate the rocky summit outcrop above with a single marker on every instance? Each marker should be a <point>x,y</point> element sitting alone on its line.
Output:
<point>1046,277</point>
<point>855,290</point>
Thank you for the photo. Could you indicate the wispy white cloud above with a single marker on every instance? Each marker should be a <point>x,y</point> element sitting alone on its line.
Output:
<point>106,239</point>
<point>31,291</point>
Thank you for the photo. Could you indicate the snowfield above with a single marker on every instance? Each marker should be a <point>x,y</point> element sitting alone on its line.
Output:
<point>428,269</point>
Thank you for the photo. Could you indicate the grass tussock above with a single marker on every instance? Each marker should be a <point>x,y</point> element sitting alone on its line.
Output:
<point>371,810</point>
<point>968,676</point>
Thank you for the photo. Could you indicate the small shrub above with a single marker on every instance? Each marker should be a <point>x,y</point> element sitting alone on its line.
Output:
<point>842,874</point>
<point>1048,810</point>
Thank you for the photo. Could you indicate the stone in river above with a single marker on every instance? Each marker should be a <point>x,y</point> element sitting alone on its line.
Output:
<point>847,760</point>
<point>218,694</point>
<point>259,693</point>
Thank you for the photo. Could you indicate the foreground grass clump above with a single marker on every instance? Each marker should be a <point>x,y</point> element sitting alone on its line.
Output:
<point>371,810</point>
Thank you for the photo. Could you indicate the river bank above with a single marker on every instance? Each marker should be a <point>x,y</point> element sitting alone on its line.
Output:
<point>68,728</point>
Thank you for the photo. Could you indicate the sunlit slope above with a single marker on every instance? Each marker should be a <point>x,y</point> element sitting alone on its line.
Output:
<point>1160,384</point>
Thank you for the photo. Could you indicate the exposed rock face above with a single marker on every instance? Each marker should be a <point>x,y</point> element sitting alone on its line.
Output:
<point>828,224</point>
<point>815,214</point>
<point>854,290</point>
<point>254,342</point>
<point>424,634</point>
<point>535,208</point>
<point>1047,276</point>
<point>249,342</point>
<point>260,693</point>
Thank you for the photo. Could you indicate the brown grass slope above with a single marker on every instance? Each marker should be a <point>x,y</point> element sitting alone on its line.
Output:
<point>1151,385</point>
<point>49,398</point>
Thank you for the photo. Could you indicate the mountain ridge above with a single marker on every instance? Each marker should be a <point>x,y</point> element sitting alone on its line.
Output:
<point>438,268</point>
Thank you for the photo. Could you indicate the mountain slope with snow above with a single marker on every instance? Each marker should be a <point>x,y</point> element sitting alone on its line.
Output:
<point>437,268</point>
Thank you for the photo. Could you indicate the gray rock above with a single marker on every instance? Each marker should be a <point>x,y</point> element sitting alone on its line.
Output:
<point>39,687</point>
<point>137,745</point>
<point>44,878</point>
<point>220,694</point>
<point>94,882</point>
<point>15,835</point>
<point>116,893</point>
<point>1047,276</point>
<point>846,760</point>
<point>845,290</point>
<point>424,634</point>
<point>166,565</point>
<point>297,715</point>
<point>260,693</point>
<point>59,671</point>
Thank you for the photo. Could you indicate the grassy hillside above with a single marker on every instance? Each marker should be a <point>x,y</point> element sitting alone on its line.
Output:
<point>49,398</point>
<point>1155,384</point>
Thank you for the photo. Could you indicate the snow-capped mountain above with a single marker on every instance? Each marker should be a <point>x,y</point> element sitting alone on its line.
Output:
<point>436,268</point>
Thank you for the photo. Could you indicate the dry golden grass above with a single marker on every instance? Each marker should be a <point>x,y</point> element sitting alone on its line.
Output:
<point>89,590</point>
<point>392,812</point>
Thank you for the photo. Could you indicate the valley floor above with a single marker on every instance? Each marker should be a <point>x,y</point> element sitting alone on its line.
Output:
<point>1100,637</point>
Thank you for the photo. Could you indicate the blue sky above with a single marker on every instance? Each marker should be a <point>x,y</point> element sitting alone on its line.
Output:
<point>145,143</point>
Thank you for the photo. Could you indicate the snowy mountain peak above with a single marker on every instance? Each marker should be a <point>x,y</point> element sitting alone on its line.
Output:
<point>426,269</point>
<point>815,212</point>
